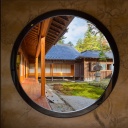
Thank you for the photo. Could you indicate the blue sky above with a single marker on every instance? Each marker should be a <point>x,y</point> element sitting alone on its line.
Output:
<point>77,29</point>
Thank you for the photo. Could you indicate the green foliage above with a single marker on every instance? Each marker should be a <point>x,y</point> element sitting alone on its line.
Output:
<point>93,40</point>
<point>61,40</point>
<point>70,43</point>
<point>102,56</point>
<point>82,89</point>
<point>79,45</point>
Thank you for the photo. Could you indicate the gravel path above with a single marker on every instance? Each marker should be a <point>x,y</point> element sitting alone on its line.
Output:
<point>78,102</point>
<point>71,103</point>
<point>64,103</point>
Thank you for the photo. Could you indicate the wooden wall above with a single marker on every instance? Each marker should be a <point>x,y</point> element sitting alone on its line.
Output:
<point>84,69</point>
<point>79,70</point>
<point>89,73</point>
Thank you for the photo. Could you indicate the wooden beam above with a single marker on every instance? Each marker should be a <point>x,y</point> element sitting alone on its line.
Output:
<point>53,30</point>
<point>31,39</point>
<point>39,28</point>
<point>33,32</point>
<point>43,32</point>
<point>36,68</point>
<point>50,37</point>
<point>32,35</point>
<point>54,27</point>
<point>56,22</point>
<point>46,25</point>
<point>59,22</point>
<point>38,49</point>
<point>62,19</point>
<point>43,66</point>
<point>51,34</point>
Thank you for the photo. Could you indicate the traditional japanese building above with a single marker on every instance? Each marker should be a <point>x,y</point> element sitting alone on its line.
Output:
<point>88,59</point>
<point>40,57</point>
<point>64,61</point>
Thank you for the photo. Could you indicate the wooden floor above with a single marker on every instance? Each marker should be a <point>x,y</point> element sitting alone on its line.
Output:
<point>33,90</point>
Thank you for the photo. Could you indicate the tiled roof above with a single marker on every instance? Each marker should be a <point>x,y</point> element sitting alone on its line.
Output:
<point>62,52</point>
<point>90,54</point>
<point>95,54</point>
<point>66,52</point>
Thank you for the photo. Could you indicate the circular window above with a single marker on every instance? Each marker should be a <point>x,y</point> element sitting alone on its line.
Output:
<point>64,63</point>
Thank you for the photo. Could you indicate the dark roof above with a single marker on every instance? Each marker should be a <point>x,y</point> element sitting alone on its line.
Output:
<point>62,52</point>
<point>66,52</point>
<point>90,54</point>
<point>95,54</point>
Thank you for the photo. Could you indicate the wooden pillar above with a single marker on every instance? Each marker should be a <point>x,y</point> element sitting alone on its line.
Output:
<point>52,71</point>
<point>21,68</point>
<point>80,70</point>
<point>27,69</point>
<point>43,66</point>
<point>24,68</point>
<point>74,71</point>
<point>36,68</point>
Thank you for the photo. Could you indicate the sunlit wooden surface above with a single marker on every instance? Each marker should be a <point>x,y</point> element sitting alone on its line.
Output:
<point>33,89</point>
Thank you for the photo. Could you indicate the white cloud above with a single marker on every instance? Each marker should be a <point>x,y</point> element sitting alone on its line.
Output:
<point>77,29</point>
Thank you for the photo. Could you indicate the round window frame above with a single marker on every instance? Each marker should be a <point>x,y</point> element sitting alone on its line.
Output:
<point>79,14</point>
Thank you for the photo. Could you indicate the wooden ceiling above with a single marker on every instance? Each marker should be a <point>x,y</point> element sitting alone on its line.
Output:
<point>52,29</point>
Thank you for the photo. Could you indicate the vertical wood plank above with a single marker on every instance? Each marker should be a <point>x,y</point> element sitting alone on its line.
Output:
<point>36,68</point>
<point>74,71</point>
<point>52,71</point>
<point>43,66</point>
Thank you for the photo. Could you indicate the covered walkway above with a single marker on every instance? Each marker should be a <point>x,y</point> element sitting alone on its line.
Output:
<point>32,88</point>
<point>30,60</point>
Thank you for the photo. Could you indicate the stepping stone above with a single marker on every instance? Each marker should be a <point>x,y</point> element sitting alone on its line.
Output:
<point>52,96</point>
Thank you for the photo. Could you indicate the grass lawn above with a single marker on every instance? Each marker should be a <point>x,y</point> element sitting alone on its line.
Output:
<point>82,89</point>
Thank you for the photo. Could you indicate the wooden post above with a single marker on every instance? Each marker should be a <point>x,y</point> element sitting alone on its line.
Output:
<point>21,68</point>
<point>74,72</point>
<point>25,69</point>
<point>80,70</point>
<point>36,68</point>
<point>43,66</point>
<point>52,71</point>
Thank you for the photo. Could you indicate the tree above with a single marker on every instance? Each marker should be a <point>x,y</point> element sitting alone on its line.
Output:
<point>100,37</point>
<point>70,43</point>
<point>61,40</point>
<point>102,56</point>
<point>93,40</point>
<point>79,45</point>
<point>90,41</point>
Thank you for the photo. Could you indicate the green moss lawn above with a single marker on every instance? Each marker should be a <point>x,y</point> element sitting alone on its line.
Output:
<point>82,89</point>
